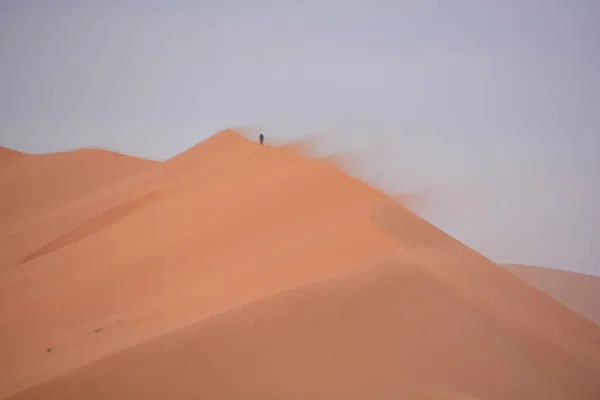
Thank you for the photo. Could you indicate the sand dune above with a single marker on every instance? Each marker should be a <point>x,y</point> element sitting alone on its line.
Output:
<point>40,183</point>
<point>41,194</point>
<point>580,292</point>
<point>172,259</point>
<point>214,238</point>
<point>7,157</point>
<point>379,331</point>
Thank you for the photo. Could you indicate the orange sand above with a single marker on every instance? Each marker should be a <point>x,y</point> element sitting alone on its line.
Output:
<point>235,270</point>
<point>580,292</point>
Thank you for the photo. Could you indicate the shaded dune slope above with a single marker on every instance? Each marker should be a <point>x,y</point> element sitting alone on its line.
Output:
<point>580,292</point>
<point>95,224</point>
<point>153,258</point>
<point>378,332</point>
<point>8,157</point>
<point>522,307</point>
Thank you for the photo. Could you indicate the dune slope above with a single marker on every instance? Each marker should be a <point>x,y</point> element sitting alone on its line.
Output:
<point>378,332</point>
<point>37,184</point>
<point>229,222</point>
<point>8,157</point>
<point>194,242</point>
<point>39,193</point>
<point>580,292</point>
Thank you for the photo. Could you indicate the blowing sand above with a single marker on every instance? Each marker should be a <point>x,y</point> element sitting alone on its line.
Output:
<point>237,271</point>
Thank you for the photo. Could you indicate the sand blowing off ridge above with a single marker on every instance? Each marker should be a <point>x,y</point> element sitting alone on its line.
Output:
<point>235,270</point>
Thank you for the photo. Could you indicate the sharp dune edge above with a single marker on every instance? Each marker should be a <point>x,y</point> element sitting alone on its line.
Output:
<point>236,271</point>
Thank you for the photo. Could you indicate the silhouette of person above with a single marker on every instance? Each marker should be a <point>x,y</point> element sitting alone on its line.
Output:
<point>261,138</point>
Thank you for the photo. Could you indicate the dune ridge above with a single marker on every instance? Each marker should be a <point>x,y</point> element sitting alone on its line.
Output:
<point>231,252</point>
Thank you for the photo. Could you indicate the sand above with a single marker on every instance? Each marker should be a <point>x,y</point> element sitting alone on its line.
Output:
<point>579,292</point>
<point>235,270</point>
<point>42,194</point>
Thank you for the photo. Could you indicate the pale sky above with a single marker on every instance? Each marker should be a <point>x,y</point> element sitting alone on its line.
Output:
<point>491,108</point>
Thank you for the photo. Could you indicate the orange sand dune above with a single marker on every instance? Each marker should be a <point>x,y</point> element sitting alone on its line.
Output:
<point>40,183</point>
<point>215,238</point>
<point>580,292</point>
<point>39,193</point>
<point>229,222</point>
<point>377,332</point>
<point>7,157</point>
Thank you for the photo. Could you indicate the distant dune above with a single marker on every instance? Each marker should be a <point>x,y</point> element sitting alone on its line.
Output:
<point>235,270</point>
<point>41,193</point>
<point>8,156</point>
<point>580,292</point>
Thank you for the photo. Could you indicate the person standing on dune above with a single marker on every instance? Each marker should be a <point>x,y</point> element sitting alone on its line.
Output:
<point>261,138</point>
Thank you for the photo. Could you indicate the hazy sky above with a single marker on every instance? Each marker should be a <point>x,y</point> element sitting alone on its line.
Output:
<point>492,108</point>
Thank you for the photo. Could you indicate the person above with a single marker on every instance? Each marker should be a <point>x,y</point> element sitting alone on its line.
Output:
<point>261,138</point>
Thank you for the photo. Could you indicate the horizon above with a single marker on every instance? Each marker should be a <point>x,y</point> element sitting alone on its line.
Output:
<point>487,111</point>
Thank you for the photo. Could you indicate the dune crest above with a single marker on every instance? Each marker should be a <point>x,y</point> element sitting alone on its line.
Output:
<point>236,270</point>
